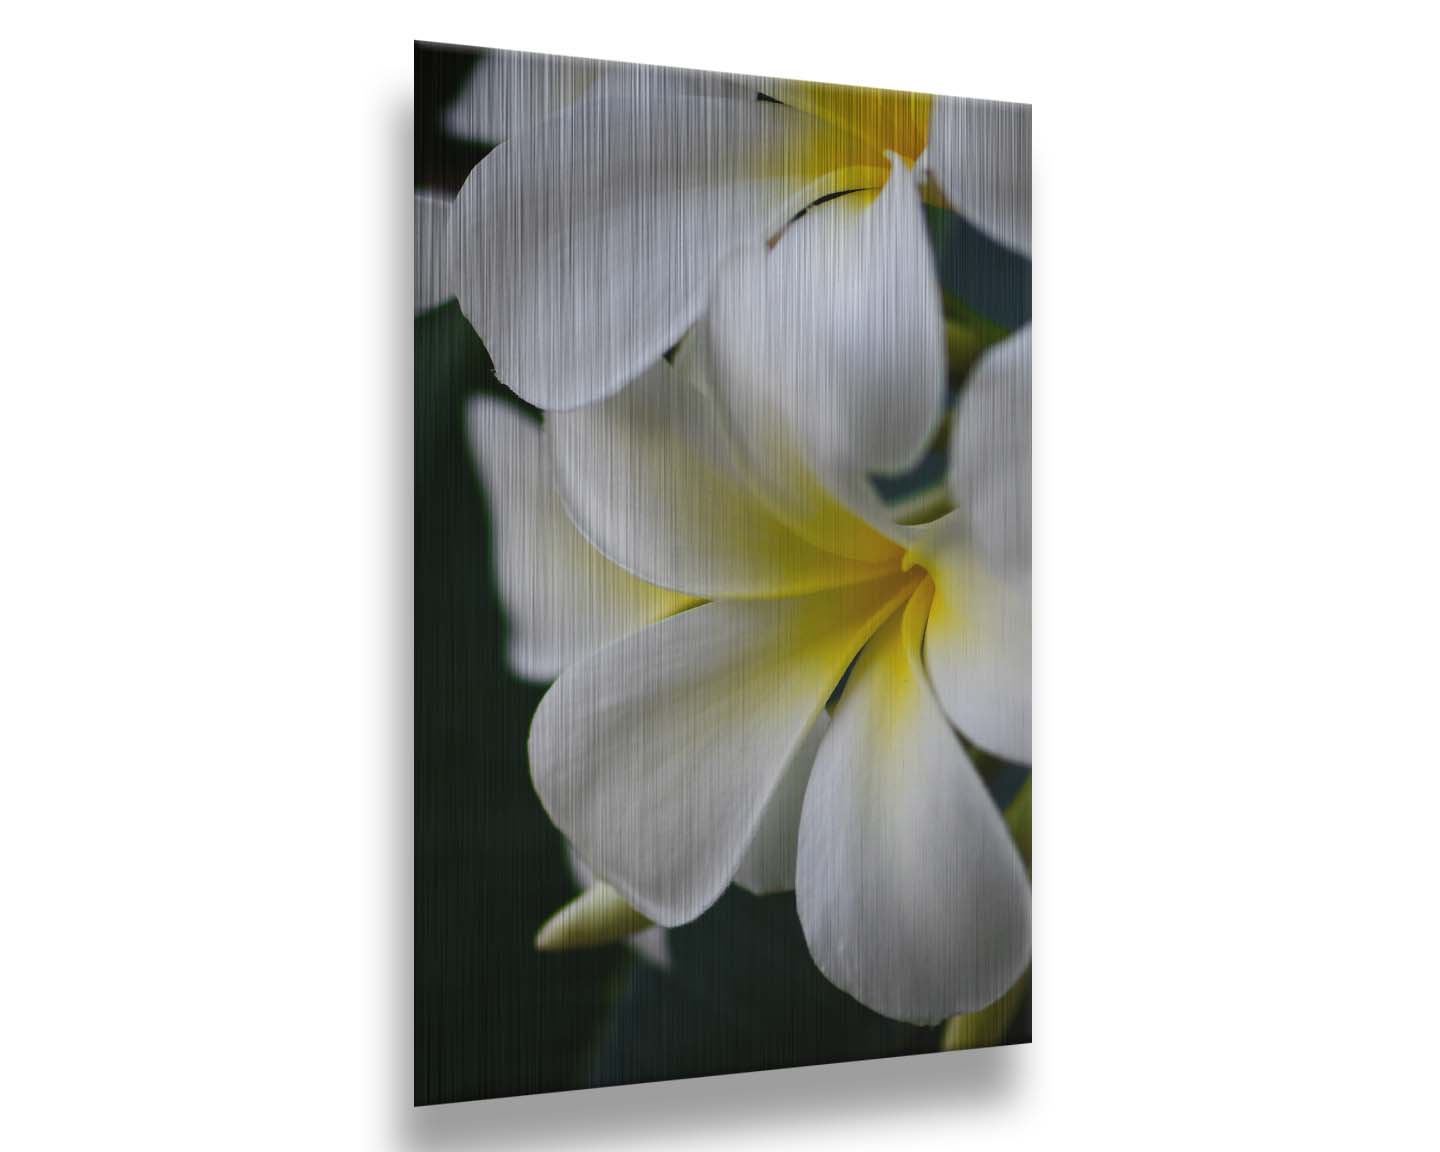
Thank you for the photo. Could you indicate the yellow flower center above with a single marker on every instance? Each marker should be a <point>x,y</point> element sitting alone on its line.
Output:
<point>876,118</point>
<point>852,130</point>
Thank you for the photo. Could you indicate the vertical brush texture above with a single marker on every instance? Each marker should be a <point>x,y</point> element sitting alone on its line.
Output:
<point>738,506</point>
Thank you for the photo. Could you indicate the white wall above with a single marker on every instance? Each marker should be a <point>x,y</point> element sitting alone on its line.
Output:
<point>204,475</point>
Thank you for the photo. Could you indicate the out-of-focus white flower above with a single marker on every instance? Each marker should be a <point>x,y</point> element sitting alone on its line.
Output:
<point>507,92</point>
<point>562,598</point>
<point>698,749</point>
<point>433,276</point>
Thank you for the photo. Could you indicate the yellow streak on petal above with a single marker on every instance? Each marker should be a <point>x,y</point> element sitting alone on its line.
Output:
<point>598,916</point>
<point>954,572</point>
<point>894,655</point>
<point>869,608</point>
<point>813,513</point>
<point>777,472</point>
<point>912,626</point>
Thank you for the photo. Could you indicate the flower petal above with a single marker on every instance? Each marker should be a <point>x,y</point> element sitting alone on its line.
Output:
<point>911,894</point>
<point>650,477</point>
<point>837,334</point>
<point>840,513</point>
<point>977,644</point>
<point>585,245</point>
<point>562,598</point>
<point>507,92</point>
<point>769,864</point>
<point>657,755</point>
<point>979,152</point>
<point>989,473</point>
<point>432,251</point>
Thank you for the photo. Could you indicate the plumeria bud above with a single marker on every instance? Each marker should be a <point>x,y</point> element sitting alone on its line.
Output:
<point>989,1026</point>
<point>598,916</point>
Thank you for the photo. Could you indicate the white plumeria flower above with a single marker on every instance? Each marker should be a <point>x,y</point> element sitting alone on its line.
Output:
<point>588,242</point>
<point>697,749</point>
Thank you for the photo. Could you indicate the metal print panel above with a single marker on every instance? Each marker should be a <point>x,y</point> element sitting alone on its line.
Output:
<point>722,573</point>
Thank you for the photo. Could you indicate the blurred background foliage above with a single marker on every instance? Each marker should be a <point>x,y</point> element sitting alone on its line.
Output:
<point>492,1016</point>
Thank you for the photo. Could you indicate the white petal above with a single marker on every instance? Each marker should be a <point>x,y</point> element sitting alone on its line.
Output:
<point>585,246</point>
<point>562,598</point>
<point>650,477</point>
<point>769,864</point>
<point>977,648</point>
<point>837,334</point>
<point>977,645</point>
<point>507,92</point>
<point>657,755</point>
<point>432,251</point>
<point>989,474</point>
<point>979,151</point>
<point>840,513</point>
<point>912,896</point>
